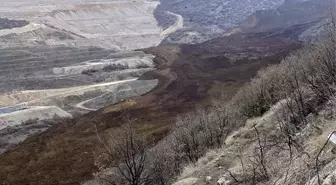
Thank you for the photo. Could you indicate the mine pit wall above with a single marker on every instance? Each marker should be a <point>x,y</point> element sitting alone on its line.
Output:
<point>77,26</point>
<point>121,25</point>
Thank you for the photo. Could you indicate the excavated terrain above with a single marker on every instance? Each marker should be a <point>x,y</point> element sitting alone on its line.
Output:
<point>67,58</point>
<point>121,25</point>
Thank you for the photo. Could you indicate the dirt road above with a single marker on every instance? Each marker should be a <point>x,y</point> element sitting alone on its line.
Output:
<point>176,26</point>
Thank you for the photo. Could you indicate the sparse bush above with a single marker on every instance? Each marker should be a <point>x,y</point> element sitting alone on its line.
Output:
<point>193,135</point>
<point>268,87</point>
<point>164,166</point>
<point>320,71</point>
<point>142,65</point>
<point>114,67</point>
<point>133,164</point>
<point>89,72</point>
<point>330,109</point>
<point>30,121</point>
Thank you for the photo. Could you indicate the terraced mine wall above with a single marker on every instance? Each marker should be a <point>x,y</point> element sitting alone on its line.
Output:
<point>72,57</point>
<point>121,25</point>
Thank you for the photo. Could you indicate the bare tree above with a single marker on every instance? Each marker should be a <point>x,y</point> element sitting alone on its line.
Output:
<point>261,156</point>
<point>132,152</point>
<point>126,157</point>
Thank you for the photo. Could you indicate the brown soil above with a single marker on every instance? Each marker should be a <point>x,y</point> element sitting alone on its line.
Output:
<point>65,153</point>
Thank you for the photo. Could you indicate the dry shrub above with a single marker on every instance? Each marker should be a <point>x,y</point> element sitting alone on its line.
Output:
<point>268,87</point>
<point>192,137</point>
<point>320,70</point>
<point>129,149</point>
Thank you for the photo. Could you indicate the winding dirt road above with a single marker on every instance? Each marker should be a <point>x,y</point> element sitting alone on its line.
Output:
<point>31,97</point>
<point>80,105</point>
<point>176,26</point>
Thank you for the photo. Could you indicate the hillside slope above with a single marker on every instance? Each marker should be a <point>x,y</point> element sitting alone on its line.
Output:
<point>186,74</point>
<point>287,132</point>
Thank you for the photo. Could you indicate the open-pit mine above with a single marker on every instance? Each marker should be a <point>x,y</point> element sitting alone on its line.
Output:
<point>63,58</point>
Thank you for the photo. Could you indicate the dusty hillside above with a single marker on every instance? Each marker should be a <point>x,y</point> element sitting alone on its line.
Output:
<point>285,135</point>
<point>65,153</point>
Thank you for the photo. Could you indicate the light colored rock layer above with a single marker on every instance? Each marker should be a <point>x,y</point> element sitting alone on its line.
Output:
<point>120,24</point>
<point>38,112</point>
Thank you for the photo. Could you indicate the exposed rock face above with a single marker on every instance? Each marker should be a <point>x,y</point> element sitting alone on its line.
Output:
<point>316,32</point>
<point>206,19</point>
<point>224,14</point>
<point>311,15</point>
<point>292,12</point>
<point>121,25</point>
